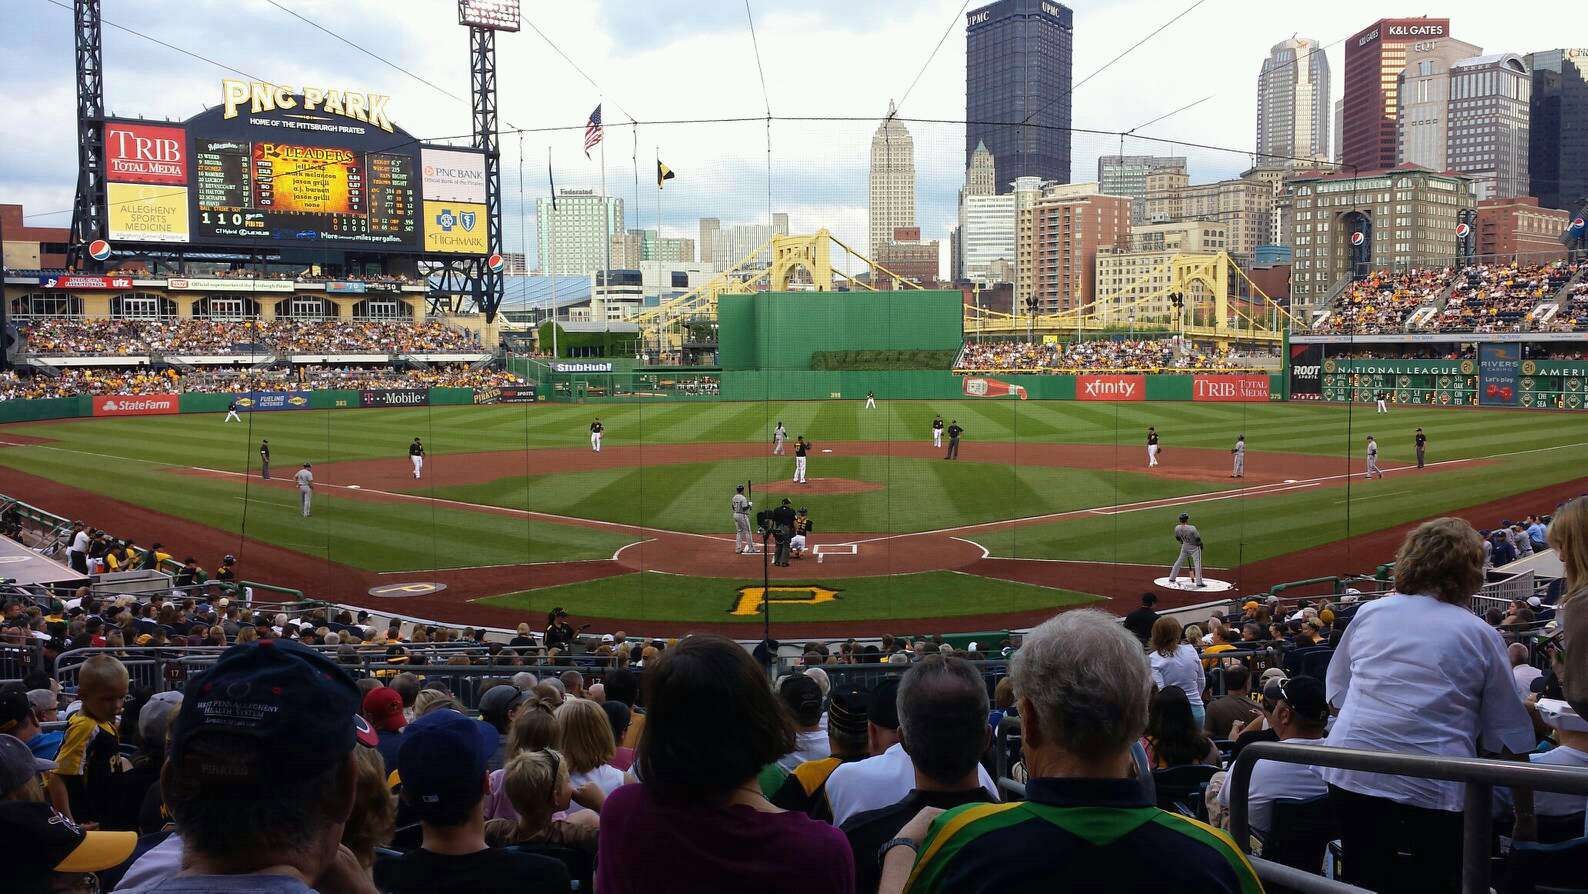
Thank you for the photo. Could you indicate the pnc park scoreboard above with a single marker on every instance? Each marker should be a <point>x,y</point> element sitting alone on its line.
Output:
<point>274,167</point>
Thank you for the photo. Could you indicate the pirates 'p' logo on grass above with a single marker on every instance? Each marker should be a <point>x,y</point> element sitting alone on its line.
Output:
<point>751,599</point>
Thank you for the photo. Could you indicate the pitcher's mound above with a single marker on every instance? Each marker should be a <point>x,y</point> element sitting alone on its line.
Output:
<point>818,486</point>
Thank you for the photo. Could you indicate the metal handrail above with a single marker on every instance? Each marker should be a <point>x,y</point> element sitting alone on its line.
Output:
<point>1478,774</point>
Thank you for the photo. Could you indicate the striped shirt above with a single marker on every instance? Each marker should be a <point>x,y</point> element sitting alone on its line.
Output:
<point>1077,835</point>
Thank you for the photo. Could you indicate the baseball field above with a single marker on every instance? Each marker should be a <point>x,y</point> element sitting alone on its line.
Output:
<point>1051,503</point>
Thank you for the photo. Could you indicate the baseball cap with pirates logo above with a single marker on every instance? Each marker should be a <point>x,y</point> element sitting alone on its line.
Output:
<point>42,844</point>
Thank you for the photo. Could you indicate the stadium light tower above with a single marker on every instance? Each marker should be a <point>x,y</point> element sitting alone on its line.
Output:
<point>484,18</point>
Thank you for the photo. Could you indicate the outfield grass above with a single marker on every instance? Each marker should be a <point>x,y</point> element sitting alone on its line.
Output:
<point>137,459</point>
<point>651,596</point>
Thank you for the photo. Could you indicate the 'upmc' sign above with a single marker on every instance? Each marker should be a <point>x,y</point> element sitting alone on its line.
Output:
<point>1230,389</point>
<point>1110,387</point>
<point>142,153</point>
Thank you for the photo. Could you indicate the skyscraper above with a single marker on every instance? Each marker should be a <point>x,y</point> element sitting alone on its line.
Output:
<point>1017,72</point>
<point>572,240</point>
<point>1558,138</point>
<point>1422,127</point>
<point>892,181</point>
<point>1374,60</point>
<point>1126,175</point>
<point>1489,99</point>
<point>708,230</point>
<point>981,176</point>
<point>1293,104</point>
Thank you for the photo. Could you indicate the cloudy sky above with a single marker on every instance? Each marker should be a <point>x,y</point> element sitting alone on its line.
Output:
<point>684,60</point>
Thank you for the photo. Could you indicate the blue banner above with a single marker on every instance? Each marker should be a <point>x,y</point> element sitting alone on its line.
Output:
<point>1498,368</point>
<point>254,401</point>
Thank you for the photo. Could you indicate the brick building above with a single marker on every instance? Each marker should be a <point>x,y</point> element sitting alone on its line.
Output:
<point>1065,229</point>
<point>1518,228</point>
<point>29,247</point>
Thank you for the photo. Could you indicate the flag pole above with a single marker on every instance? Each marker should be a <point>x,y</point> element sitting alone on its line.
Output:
<point>606,214</point>
<point>658,258</point>
<point>551,250</point>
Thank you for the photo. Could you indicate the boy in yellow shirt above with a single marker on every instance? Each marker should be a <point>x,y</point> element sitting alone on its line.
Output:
<point>90,749</point>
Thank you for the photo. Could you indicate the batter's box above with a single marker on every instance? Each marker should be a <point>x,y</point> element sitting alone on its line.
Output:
<point>823,550</point>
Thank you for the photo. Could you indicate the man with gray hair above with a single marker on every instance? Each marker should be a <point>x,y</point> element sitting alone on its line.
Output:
<point>1082,686</point>
<point>943,710</point>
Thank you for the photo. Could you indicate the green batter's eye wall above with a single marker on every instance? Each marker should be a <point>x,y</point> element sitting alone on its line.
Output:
<point>781,330</point>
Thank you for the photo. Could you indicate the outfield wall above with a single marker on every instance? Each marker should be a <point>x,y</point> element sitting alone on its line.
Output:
<point>780,330</point>
<point>1495,379</point>
<point>106,405</point>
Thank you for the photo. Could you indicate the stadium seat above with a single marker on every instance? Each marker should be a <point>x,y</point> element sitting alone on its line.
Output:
<point>581,866</point>
<point>1180,788</point>
<point>1560,868</point>
<point>1300,832</point>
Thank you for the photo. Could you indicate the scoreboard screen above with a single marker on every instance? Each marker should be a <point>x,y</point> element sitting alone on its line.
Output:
<point>284,192</point>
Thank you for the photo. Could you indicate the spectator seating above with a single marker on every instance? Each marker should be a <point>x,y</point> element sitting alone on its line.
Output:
<point>1142,355</point>
<point>1482,298</point>
<point>75,381</point>
<point>94,337</point>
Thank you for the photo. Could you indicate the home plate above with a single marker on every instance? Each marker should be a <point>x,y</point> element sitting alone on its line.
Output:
<point>1209,585</point>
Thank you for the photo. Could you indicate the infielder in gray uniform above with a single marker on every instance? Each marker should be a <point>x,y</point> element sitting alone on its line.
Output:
<point>742,543</point>
<point>1190,540</point>
<point>1372,459</point>
<point>1239,452</point>
<point>305,479</point>
<point>779,435</point>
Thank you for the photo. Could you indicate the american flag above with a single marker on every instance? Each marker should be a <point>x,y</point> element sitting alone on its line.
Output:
<point>592,131</point>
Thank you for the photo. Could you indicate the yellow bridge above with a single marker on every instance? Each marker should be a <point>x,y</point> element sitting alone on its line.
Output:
<point>1211,308</point>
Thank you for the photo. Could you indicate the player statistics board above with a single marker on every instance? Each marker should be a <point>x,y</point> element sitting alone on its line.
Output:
<point>283,192</point>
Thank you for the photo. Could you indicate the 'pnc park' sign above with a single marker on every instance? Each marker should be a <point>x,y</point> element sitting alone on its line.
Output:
<point>261,96</point>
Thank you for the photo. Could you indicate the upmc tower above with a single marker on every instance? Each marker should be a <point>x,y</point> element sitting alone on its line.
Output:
<point>1017,72</point>
<point>1374,59</point>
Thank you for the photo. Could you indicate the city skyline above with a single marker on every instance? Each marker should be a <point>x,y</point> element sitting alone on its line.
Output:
<point>819,172</point>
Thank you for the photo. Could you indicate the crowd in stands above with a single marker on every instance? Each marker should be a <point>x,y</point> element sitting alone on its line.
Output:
<point>84,336</point>
<point>76,381</point>
<point>642,765</point>
<point>1500,297</point>
<point>1085,356</point>
<point>1482,298</point>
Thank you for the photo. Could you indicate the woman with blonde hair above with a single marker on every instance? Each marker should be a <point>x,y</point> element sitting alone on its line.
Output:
<point>533,728</point>
<point>585,737</point>
<point>538,785</point>
<point>374,818</point>
<point>433,699</point>
<point>1416,672</point>
<point>1174,663</point>
<point>1568,536</point>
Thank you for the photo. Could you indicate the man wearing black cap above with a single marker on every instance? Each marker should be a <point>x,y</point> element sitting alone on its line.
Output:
<point>444,767</point>
<point>1298,714</point>
<point>805,789</point>
<point>273,726</point>
<point>47,852</point>
<point>1140,621</point>
<point>783,531</point>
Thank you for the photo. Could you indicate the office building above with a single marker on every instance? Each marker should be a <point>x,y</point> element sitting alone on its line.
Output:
<point>1293,107</point>
<point>1339,127</point>
<point>1558,130</point>
<point>987,237</point>
<point>1407,217</point>
<point>572,240</point>
<point>1064,229</point>
<point>905,255</point>
<point>892,181</point>
<point>1246,206</point>
<point>1134,279</point>
<point>1126,175</point>
<point>1017,69</point>
<point>733,244</point>
<point>1490,98</point>
<point>1422,124</point>
<point>1374,60</point>
<point>1519,229</point>
<point>28,247</point>
<point>708,229</point>
<point>633,247</point>
<point>981,175</point>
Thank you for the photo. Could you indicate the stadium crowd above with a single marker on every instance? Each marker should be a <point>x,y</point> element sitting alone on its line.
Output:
<point>88,336</point>
<point>1482,298</point>
<point>651,765</point>
<point>1121,354</point>
<point>112,380</point>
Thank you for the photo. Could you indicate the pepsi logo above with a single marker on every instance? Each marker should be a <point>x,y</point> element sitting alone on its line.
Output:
<point>99,249</point>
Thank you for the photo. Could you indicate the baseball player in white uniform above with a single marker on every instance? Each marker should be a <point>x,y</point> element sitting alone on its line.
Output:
<point>802,447</point>
<point>1382,401</point>
<point>1239,454</point>
<point>305,479</point>
<point>1372,459</point>
<point>1152,446</point>
<point>779,435</point>
<point>742,544</point>
<point>416,452</point>
<point>871,400</point>
<point>595,435</point>
<point>937,432</point>
<point>1190,540</point>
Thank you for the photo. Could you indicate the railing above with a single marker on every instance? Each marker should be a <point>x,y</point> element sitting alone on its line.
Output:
<point>1478,775</point>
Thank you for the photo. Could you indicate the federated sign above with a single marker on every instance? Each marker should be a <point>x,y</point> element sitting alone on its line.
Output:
<point>258,401</point>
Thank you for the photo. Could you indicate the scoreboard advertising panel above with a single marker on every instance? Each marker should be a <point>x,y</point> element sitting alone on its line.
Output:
<point>279,168</point>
